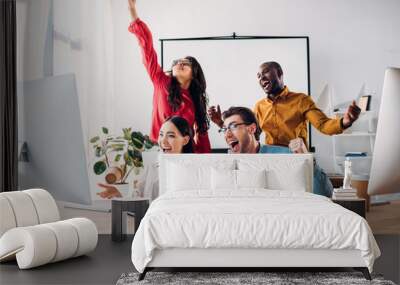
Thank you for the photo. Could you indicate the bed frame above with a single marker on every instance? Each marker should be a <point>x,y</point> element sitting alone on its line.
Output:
<point>243,259</point>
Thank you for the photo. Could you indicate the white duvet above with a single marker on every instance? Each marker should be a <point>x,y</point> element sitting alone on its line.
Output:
<point>250,219</point>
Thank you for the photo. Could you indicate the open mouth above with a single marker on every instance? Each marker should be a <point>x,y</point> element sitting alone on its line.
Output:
<point>166,149</point>
<point>266,85</point>
<point>234,145</point>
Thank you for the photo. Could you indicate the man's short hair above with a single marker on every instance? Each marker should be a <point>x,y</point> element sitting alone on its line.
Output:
<point>274,65</point>
<point>246,115</point>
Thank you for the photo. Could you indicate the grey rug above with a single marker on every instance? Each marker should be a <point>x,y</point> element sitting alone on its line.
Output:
<point>228,278</point>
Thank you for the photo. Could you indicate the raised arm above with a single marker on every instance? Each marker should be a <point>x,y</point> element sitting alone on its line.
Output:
<point>132,10</point>
<point>351,114</point>
<point>143,34</point>
<point>319,120</point>
<point>214,112</point>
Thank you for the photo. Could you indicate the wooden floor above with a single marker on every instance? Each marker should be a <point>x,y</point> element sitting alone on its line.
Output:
<point>385,219</point>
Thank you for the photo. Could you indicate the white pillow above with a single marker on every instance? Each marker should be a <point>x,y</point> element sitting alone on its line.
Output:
<point>251,178</point>
<point>181,177</point>
<point>292,179</point>
<point>223,179</point>
<point>282,174</point>
<point>227,179</point>
<point>193,175</point>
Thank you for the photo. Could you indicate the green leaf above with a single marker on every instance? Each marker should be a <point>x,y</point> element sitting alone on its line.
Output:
<point>137,135</point>
<point>105,130</point>
<point>117,157</point>
<point>99,151</point>
<point>118,145</point>
<point>94,139</point>
<point>137,144</point>
<point>135,154</point>
<point>99,167</point>
<point>127,134</point>
<point>148,144</point>
<point>138,163</point>
<point>130,153</point>
<point>137,140</point>
<point>127,158</point>
<point>138,155</point>
<point>119,141</point>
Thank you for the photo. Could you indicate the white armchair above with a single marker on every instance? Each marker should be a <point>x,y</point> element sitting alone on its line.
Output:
<point>31,230</point>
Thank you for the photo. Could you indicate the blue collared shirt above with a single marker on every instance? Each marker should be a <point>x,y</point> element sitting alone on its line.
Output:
<point>264,148</point>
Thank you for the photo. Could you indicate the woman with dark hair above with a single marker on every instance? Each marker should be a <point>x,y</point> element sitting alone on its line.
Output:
<point>175,136</point>
<point>182,92</point>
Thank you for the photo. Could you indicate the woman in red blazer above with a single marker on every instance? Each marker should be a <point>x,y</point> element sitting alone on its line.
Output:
<point>182,93</point>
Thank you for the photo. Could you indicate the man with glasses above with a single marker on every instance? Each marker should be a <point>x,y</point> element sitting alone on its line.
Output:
<point>242,134</point>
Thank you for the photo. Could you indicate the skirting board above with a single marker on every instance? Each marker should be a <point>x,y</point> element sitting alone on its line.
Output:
<point>98,206</point>
<point>177,257</point>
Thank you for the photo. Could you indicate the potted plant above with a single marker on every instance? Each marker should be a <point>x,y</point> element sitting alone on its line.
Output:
<point>118,156</point>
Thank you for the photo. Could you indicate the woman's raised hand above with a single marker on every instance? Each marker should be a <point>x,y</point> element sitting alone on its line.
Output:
<point>132,9</point>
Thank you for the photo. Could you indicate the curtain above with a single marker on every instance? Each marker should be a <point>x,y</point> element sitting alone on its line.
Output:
<point>8,98</point>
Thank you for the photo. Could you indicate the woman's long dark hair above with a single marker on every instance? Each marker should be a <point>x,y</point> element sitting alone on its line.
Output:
<point>185,129</point>
<point>197,90</point>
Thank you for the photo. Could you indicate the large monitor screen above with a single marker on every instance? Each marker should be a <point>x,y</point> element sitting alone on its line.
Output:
<point>231,65</point>
<point>385,168</point>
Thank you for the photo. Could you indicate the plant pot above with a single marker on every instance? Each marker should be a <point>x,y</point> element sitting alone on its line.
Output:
<point>124,189</point>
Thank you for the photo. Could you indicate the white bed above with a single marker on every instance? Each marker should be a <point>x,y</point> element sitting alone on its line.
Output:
<point>219,210</point>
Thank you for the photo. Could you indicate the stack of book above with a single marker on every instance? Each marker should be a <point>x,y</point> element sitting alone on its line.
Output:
<point>344,194</point>
<point>355,154</point>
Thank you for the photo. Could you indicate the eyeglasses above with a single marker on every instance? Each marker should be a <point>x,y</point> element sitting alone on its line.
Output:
<point>184,61</point>
<point>231,127</point>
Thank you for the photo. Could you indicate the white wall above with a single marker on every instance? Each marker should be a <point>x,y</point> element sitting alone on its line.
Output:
<point>32,23</point>
<point>31,29</point>
<point>351,43</point>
